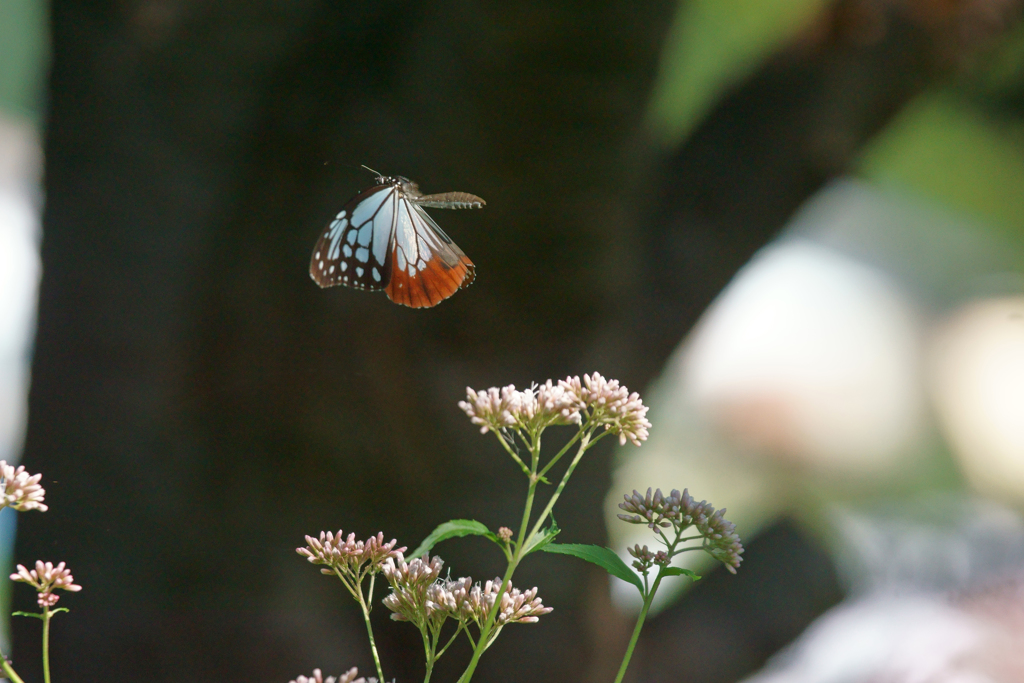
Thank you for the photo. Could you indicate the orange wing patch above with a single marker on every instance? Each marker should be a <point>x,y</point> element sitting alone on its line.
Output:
<point>432,285</point>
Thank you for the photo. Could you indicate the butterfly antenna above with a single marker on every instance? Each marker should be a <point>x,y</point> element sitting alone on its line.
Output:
<point>379,175</point>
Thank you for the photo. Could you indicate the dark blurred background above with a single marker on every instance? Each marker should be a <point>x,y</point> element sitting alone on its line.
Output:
<point>197,405</point>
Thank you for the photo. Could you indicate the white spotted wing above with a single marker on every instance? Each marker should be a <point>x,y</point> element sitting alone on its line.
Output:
<point>354,250</point>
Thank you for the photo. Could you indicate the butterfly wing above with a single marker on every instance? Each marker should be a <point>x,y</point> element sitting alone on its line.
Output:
<point>355,249</point>
<point>426,266</point>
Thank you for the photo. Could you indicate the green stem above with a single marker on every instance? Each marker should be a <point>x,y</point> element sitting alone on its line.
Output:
<point>483,640</point>
<point>450,641</point>
<point>46,644</point>
<point>585,443</point>
<point>636,630</point>
<point>355,587</point>
<point>428,648</point>
<point>515,456</point>
<point>522,542</point>
<point>531,493</point>
<point>649,598</point>
<point>357,594</point>
<point>558,456</point>
<point>472,643</point>
<point>8,670</point>
<point>369,632</point>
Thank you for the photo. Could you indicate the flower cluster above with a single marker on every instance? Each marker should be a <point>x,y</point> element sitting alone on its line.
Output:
<point>659,510</point>
<point>419,596</point>
<point>46,578</point>
<point>21,491</point>
<point>594,400</point>
<point>610,404</point>
<point>532,409</point>
<point>645,559</point>
<point>348,677</point>
<point>492,409</point>
<point>413,597</point>
<point>347,554</point>
<point>517,607</point>
<point>721,540</point>
<point>47,599</point>
<point>680,510</point>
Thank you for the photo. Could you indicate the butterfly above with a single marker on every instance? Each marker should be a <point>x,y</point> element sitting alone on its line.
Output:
<point>383,239</point>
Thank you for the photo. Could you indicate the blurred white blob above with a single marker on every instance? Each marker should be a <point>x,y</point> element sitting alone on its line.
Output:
<point>907,639</point>
<point>812,357</point>
<point>804,390</point>
<point>808,360</point>
<point>803,386</point>
<point>978,390</point>
<point>939,599</point>
<point>20,162</point>
<point>19,275</point>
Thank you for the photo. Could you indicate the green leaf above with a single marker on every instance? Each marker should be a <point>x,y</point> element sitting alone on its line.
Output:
<point>944,149</point>
<point>679,571</point>
<point>542,539</point>
<point>712,46</point>
<point>602,557</point>
<point>455,528</point>
<point>38,615</point>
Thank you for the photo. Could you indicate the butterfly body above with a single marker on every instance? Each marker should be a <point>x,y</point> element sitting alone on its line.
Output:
<point>384,239</point>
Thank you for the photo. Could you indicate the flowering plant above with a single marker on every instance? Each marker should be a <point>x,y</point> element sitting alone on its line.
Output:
<point>420,595</point>
<point>22,492</point>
